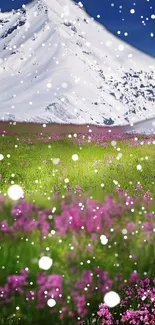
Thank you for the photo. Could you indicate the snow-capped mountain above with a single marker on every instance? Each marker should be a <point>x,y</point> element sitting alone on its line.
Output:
<point>58,65</point>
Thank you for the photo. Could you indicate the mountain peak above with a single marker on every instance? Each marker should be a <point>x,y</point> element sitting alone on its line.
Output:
<point>59,65</point>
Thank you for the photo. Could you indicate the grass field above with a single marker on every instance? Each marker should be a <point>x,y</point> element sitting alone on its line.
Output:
<point>31,166</point>
<point>91,215</point>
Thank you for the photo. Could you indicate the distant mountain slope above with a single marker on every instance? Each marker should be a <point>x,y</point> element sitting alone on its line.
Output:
<point>58,65</point>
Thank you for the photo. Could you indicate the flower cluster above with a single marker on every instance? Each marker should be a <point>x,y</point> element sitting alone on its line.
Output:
<point>93,249</point>
<point>96,281</point>
<point>97,138</point>
<point>15,284</point>
<point>105,315</point>
<point>26,218</point>
<point>137,308</point>
<point>48,286</point>
<point>88,215</point>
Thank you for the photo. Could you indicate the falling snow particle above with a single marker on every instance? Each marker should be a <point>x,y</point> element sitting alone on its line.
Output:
<point>132,11</point>
<point>80,4</point>
<point>104,239</point>
<point>51,302</point>
<point>49,85</point>
<point>15,192</point>
<point>113,143</point>
<point>56,161</point>
<point>64,85</point>
<point>45,263</point>
<point>112,299</point>
<point>75,157</point>
<point>119,156</point>
<point>139,167</point>
<point>121,48</point>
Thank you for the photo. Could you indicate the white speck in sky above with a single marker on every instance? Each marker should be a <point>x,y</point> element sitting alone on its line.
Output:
<point>132,11</point>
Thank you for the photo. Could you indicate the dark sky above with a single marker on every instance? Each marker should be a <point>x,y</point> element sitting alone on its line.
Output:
<point>137,29</point>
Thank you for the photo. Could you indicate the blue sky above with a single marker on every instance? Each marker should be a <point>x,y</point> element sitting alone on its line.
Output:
<point>137,29</point>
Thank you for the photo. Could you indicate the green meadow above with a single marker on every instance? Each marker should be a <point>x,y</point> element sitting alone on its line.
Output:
<point>98,169</point>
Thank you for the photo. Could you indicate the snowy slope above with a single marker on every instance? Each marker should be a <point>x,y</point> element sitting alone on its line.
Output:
<point>58,65</point>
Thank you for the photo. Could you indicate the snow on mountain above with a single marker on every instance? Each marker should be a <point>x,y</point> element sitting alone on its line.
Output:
<point>58,65</point>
